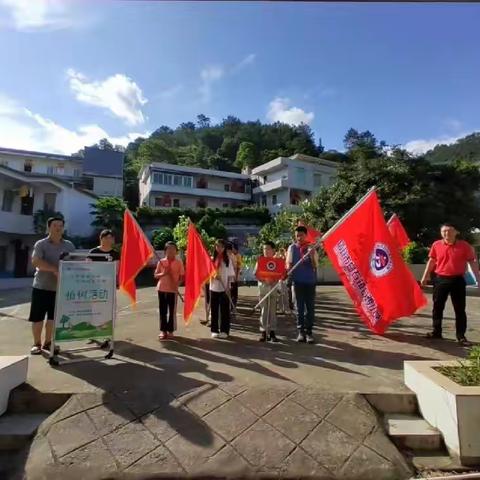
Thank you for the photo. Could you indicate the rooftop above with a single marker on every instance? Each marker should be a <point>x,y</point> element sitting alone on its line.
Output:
<point>199,171</point>
<point>43,155</point>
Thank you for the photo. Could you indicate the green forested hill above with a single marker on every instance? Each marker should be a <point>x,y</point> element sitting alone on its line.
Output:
<point>467,148</point>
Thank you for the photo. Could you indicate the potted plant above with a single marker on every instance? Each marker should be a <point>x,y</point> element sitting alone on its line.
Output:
<point>448,394</point>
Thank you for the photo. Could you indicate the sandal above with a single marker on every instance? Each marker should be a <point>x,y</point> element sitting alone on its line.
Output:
<point>36,350</point>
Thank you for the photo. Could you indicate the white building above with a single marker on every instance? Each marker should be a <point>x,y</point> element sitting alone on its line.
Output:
<point>23,192</point>
<point>287,181</point>
<point>164,185</point>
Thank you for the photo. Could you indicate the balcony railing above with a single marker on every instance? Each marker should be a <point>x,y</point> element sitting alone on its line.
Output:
<point>269,186</point>
<point>199,192</point>
<point>16,223</point>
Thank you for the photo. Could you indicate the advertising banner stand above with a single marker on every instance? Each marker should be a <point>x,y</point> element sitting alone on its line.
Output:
<point>85,306</point>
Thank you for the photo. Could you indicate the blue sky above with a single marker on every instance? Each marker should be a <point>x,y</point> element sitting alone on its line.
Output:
<point>76,71</point>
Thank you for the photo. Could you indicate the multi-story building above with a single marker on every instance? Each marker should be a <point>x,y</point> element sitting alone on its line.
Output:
<point>287,181</point>
<point>34,185</point>
<point>164,185</point>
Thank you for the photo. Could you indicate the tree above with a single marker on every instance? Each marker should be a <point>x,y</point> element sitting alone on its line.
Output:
<point>108,213</point>
<point>246,155</point>
<point>213,227</point>
<point>421,194</point>
<point>180,234</point>
<point>161,236</point>
<point>203,121</point>
<point>104,144</point>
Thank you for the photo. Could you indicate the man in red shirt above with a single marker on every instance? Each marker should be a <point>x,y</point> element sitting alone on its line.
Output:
<point>448,259</point>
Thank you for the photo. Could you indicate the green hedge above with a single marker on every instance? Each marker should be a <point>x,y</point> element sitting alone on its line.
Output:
<point>169,216</point>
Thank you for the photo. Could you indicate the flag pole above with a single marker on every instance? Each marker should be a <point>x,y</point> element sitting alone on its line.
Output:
<point>390,220</point>
<point>348,214</point>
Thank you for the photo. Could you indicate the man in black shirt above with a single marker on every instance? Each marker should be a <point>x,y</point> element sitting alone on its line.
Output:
<point>107,240</point>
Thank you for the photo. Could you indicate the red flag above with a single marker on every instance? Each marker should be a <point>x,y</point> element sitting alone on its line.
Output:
<point>136,252</point>
<point>398,232</point>
<point>198,271</point>
<point>372,270</point>
<point>270,268</point>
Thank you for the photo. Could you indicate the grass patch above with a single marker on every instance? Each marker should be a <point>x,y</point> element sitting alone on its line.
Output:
<point>467,373</point>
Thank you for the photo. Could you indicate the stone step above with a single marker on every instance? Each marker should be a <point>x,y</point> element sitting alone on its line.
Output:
<point>13,372</point>
<point>393,402</point>
<point>413,432</point>
<point>16,430</point>
<point>437,461</point>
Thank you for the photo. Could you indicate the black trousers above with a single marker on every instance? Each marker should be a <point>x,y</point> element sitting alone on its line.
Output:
<point>455,287</point>
<point>167,304</point>
<point>220,310</point>
<point>234,293</point>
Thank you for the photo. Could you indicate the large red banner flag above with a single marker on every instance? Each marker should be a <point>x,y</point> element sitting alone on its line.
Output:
<point>370,266</point>
<point>398,232</point>
<point>136,252</point>
<point>199,269</point>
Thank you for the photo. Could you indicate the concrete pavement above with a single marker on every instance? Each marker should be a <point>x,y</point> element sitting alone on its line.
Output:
<point>198,406</point>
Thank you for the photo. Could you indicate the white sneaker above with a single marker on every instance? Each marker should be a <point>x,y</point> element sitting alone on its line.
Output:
<point>215,335</point>
<point>310,339</point>
<point>223,335</point>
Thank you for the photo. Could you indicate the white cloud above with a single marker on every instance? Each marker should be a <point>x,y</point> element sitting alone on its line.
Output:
<point>39,14</point>
<point>21,128</point>
<point>209,76</point>
<point>421,146</point>
<point>245,62</point>
<point>279,110</point>
<point>119,94</point>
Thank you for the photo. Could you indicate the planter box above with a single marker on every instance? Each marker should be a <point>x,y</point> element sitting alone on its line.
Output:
<point>447,406</point>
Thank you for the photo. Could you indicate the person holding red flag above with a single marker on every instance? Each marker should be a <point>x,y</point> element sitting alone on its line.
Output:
<point>398,232</point>
<point>304,280</point>
<point>220,299</point>
<point>269,270</point>
<point>368,261</point>
<point>448,259</point>
<point>169,272</point>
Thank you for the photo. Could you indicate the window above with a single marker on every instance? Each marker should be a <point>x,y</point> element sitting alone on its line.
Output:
<point>265,179</point>
<point>27,166</point>
<point>202,203</point>
<point>227,187</point>
<point>77,172</point>
<point>317,179</point>
<point>188,182</point>
<point>300,176</point>
<point>167,178</point>
<point>50,170</point>
<point>49,201</point>
<point>158,201</point>
<point>157,177</point>
<point>176,202</point>
<point>4,163</point>
<point>264,200</point>
<point>7,203</point>
<point>202,183</point>
<point>274,199</point>
<point>225,205</point>
<point>177,180</point>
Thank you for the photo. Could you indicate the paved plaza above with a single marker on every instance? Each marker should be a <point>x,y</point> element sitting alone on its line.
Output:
<point>194,405</point>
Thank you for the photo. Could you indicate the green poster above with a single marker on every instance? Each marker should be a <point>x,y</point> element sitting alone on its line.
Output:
<point>85,305</point>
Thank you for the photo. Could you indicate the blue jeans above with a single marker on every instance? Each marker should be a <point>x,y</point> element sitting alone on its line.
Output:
<point>304,298</point>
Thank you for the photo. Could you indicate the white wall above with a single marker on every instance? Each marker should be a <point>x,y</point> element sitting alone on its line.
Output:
<point>310,169</point>
<point>187,201</point>
<point>108,186</point>
<point>75,207</point>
